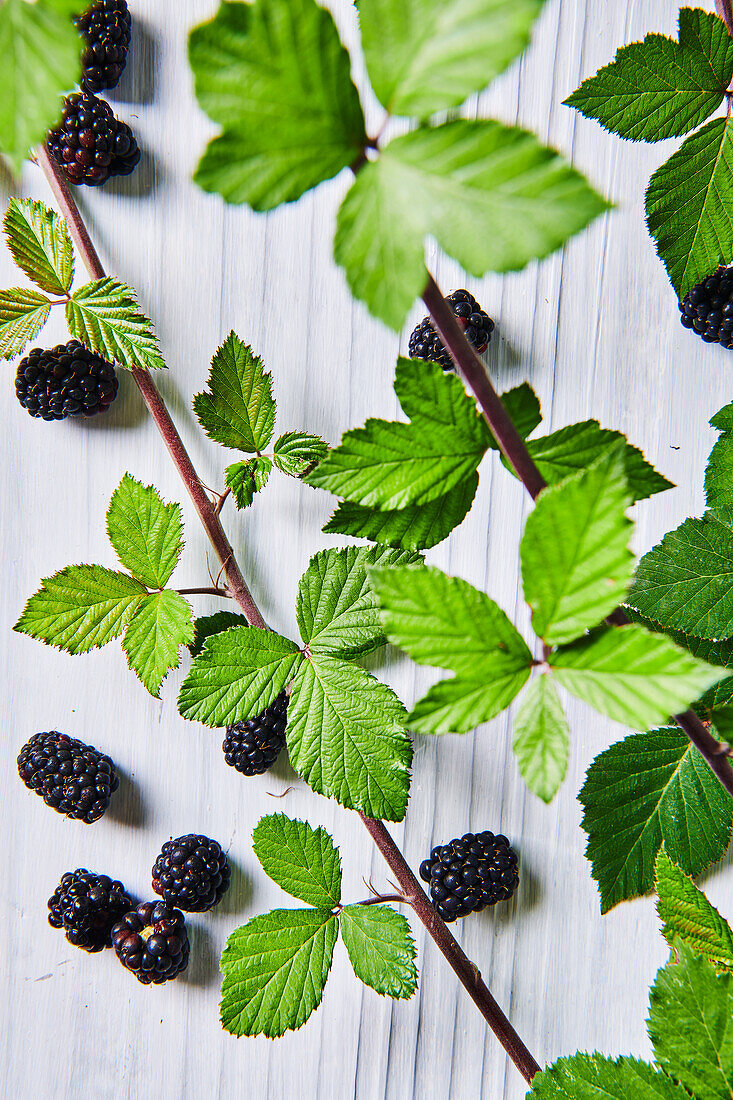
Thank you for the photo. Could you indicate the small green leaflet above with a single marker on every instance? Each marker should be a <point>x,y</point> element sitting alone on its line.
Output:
<point>302,860</point>
<point>647,790</point>
<point>81,607</point>
<point>146,533</point>
<point>541,738</point>
<point>435,399</point>
<point>424,56</point>
<point>688,204</point>
<point>715,653</point>
<point>238,409</point>
<point>660,88</point>
<point>295,452</point>
<point>275,76</point>
<point>207,625</point>
<point>592,1077</point>
<point>381,949</point>
<point>723,419</point>
<point>688,915</point>
<point>23,313</point>
<point>40,244</point>
<point>105,316</point>
<point>245,479</point>
<point>161,623</point>
<point>719,479</point>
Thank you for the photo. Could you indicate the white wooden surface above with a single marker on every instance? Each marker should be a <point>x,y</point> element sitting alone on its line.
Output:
<point>595,331</point>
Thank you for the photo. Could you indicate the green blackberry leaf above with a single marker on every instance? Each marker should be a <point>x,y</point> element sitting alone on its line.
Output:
<point>41,52</point>
<point>523,407</point>
<point>39,241</point>
<point>688,206</point>
<point>425,56</point>
<point>208,625</point>
<point>434,398</point>
<point>275,969</point>
<point>715,653</point>
<point>159,626</point>
<point>146,533</point>
<point>688,916</point>
<point>303,861</point>
<point>238,675</point>
<point>238,410</point>
<point>690,1026</point>
<point>465,702</point>
<point>23,313</point>
<point>275,76</point>
<point>81,607</point>
<point>245,479</point>
<point>592,1077</point>
<point>576,562</point>
<point>104,315</point>
<point>660,88</point>
<point>295,452</point>
<point>719,479</point>
<point>346,737</point>
<point>631,675</point>
<point>336,610</point>
<point>381,949</point>
<point>492,196</point>
<point>647,790</point>
<point>541,738</point>
<point>723,419</point>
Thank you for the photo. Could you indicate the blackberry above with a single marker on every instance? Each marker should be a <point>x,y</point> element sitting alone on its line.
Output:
<point>106,30</point>
<point>68,380</point>
<point>465,876</point>
<point>89,143</point>
<point>475,322</point>
<point>708,308</point>
<point>253,746</point>
<point>152,942</point>
<point>191,872</point>
<point>87,906</point>
<point>73,778</point>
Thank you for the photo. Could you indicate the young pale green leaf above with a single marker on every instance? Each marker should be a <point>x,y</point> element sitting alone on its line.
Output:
<point>336,610</point>
<point>105,316</point>
<point>146,533</point>
<point>302,860</point>
<point>295,452</point>
<point>275,969</point>
<point>647,790</point>
<point>436,399</point>
<point>687,915</point>
<point>541,738</point>
<point>23,313</point>
<point>715,653</point>
<point>238,410</point>
<point>631,675</point>
<point>523,407</point>
<point>81,607</point>
<point>208,625</point>
<point>159,626</point>
<point>239,673</point>
<point>275,75</point>
<point>576,562</point>
<point>245,479</point>
<point>381,949</point>
<point>39,242</point>
<point>594,1077</point>
<point>346,737</point>
<point>688,203</point>
<point>690,1025</point>
<point>660,88</point>
<point>41,51</point>
<point>425,56</point>
<point>465,702</point>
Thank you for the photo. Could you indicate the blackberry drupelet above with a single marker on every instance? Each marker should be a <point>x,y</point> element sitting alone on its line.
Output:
<point>87,906</point>
<point>253,746</point>
<point>89,143</point>
<point>152,942</point>
<point>470,873</point>
<point>73,778</point>
<point>708,308</point>
<point>68,380</point>
<point>475,322</point>
<point>106,30</point>
<point>191,872</point>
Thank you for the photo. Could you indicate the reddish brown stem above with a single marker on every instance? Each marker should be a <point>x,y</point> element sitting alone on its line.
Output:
<point>725,11</point>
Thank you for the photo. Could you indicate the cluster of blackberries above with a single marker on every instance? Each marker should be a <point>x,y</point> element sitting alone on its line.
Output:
<point>106,30</point>
<point>71,777</point>
<point>253,746</point>
<point>470,873</point>
<point>708,308</point>
<point>68,380</point>
<point>475,322</point>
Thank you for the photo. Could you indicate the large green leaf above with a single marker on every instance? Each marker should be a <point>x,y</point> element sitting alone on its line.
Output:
<point>238,410</point>
<point>688,915</point>
<point>159,626</point>
<point>594,1077</point>
<point>146,533</point>
<point>302,860</point>
<point>39,242</point>
<point>381,949</point>
<point>105,316</point>
<point>540,741</point>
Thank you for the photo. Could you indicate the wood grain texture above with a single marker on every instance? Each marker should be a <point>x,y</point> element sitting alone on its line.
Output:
<point>595,331</point>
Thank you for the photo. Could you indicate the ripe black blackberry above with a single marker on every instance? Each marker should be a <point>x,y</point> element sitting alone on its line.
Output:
<point>87,906</point>
<point>68,380</point>
<point>475,322</point>
<point>191,872</point>
<point>89,143</point>
<point>708,308</point>
<point>469,873</point>
<point>73,778</point>
<point>106,29</point>
<point>152,942</point>
<point>253,746</point>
